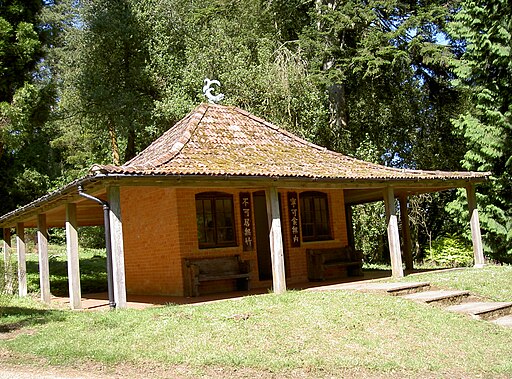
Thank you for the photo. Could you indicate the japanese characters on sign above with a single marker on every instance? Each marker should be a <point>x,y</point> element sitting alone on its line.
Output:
<point>293,210</point>
<point>247,232</point>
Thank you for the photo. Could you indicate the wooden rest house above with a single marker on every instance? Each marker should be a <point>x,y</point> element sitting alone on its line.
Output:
<point>226,200</point>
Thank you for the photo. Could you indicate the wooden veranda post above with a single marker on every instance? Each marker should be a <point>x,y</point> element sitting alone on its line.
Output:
<point>474,221</point>
<point>116,232</point>
<point>22,261</point>
<point>276,241</point>
<point>44,267</point>
<point>393,234</point>
<point>406,233</point>
<point>75,292</point>
<point>7,246</point>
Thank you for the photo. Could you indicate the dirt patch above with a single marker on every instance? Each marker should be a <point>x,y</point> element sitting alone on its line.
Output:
<point>152,371</point>
<point>11,331</point>
<point>26,366</point>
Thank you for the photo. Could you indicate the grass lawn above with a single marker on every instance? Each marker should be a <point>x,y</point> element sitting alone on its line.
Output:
<point>304,334</point>
<point>93,273</point>
<point>492,282</point>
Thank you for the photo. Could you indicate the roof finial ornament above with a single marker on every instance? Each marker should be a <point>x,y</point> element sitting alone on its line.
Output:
<point>207,90</point>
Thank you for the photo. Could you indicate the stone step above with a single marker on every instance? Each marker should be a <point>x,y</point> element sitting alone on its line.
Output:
<point>389,288</point>
<point>483,310</point>
<point>442,297</point>
<point>505,321</point>
<point>401,289</point>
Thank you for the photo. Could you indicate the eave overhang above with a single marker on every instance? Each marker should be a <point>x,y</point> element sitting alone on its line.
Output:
<point>357,190</point>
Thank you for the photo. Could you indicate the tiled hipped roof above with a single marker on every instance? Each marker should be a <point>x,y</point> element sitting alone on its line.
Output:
<point>220,140</point>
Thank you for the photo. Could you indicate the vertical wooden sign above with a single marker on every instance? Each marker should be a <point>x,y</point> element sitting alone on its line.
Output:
<point>246,217</point>
<point>293,212</point>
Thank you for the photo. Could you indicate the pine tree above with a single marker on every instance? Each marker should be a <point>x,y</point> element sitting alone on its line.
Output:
<point>485,71</point>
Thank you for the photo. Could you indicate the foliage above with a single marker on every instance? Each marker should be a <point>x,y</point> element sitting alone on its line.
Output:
<point>106,89</point>
<point>93,276</point>
<point>451,251</point>
<point>385,76</point>
<point>132,69</point>
<point>370,231</point>
<point>8,277</point>
<point>428,219</point>
<point>369,220</point>
<point>92,237</point>
<point>269,63</point>
<point>485,72</point>
<point>27,163</point>
<point>20,45</point>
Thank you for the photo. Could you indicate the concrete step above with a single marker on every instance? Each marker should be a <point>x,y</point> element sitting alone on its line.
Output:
<point>505,321</point>
<point>400,289</point>
<point>389,288</point>
<point>483,310</point>
<point>441,297</point>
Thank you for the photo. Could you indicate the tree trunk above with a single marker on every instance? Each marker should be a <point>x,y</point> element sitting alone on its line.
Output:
<point>113,142</point>
<point>338,120</point>
<point>338,112</point>
<point>129,153</point>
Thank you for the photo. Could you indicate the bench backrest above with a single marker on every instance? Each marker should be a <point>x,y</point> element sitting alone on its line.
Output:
<point>334,254</point>
<point>217,265</point>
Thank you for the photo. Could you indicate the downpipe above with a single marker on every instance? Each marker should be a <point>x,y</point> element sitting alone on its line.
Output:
<point>108,243</point>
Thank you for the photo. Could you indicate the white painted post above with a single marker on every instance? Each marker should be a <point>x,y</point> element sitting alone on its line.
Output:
<point>276,241</point>
<point>116,232</point>
<point>22,261</point>
<point>44,267</point>
<point>474,221</point>
<point>406,233</point>
<point>7,246</point>
<point>75,293</point>
<point>393,235</point>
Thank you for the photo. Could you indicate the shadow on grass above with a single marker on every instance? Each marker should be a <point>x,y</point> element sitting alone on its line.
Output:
<point>15,318</point>
<point>93,276</point>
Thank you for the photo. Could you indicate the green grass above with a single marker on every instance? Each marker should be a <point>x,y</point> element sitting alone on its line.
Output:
<point>93,275</point>
<point>492,282</point>
<point>313,333</point>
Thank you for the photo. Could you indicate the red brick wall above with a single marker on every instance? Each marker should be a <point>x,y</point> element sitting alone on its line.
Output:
<point>151,240</point>
<point>159,227</point>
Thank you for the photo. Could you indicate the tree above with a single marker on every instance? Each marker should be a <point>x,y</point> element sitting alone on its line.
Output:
<point>484,30</point>
<point>27,163</point>
<point>384,75</point>
<point>249,46</point>
<point>105,84</point>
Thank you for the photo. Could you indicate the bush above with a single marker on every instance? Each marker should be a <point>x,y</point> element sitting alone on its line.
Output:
<point>451,251</point>
<point>92,237</point>
<point>8,278</point>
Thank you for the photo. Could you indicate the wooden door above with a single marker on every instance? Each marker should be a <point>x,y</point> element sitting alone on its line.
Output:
<point>262,236</point>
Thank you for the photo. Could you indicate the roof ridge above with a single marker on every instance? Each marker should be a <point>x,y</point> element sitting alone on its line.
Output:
<point>278,129</point>
<point>308,143</point>
<point>191,122</point>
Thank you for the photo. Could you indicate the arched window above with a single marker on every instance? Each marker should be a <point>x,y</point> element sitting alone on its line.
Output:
<point>215,220</point>
<point>314,216</point>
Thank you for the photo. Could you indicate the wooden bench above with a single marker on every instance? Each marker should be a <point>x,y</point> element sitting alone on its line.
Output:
<point>334,263</point>
<point>200,270</point>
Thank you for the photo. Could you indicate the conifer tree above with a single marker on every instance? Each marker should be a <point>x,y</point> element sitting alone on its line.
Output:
<point>27,163</point>
<point>485,71</point>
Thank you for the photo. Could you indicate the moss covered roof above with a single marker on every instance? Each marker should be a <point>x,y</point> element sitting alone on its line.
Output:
<point>221,140</point>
